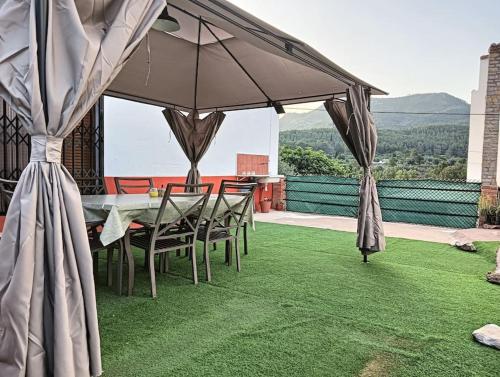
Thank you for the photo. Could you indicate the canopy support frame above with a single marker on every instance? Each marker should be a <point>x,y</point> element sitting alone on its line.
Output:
<point>41,15</point>
<point>237,62</point>
<point>337,76</point>
<point>197,65</point>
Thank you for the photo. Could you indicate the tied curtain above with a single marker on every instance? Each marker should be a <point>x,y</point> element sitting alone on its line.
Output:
<point>357,128</point>
<point>48,318</point>
<point>194,135</point>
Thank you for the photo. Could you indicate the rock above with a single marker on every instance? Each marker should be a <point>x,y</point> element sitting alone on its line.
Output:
<point>493,277</point>
<point>489,226</point>
<point>488,335</point>
<point>465,246</point>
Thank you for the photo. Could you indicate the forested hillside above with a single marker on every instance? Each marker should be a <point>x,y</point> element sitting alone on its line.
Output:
<point>447,140</point>
<point>409,145</point>
<point>394,113</point>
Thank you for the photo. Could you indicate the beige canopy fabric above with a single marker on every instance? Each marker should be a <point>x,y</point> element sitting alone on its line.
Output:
<point>194,135</point>
<point>242,62</point>
<point>356,127</point>
<point>48,319</point>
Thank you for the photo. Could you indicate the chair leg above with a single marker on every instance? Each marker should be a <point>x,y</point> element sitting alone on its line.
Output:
<point>193,263</point>
<point>166,262</point>
<point>206,257</point>
<point>237,251</point>
<point>110,267</point>
<point>229,252</point>
<point>245,240</point>
<point>95,265</point>
<point>119,272</point>
<point>161,267</point>
<point>189,251</point>
<point>130,261</point>
<point>152,274</point>
<point>146,259</point>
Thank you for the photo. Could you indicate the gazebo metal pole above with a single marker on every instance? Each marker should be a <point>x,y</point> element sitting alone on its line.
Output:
<point>197,66</point>
<point>41,16</point>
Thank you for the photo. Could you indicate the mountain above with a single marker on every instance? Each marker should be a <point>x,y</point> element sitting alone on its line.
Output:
<point>415,103</point>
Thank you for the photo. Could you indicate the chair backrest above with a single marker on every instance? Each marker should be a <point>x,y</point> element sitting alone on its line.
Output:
<point>7,188</point>
<point>189,208</point>
<point>133,185</point>
<point>232,204</point>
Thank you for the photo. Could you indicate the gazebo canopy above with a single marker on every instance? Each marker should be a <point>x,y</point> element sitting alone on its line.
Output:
<point>223,58</point>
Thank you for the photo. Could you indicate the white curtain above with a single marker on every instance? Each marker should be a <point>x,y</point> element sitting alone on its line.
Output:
<point>357,128</point>
<point>48,318</point>
<point>194,136</point>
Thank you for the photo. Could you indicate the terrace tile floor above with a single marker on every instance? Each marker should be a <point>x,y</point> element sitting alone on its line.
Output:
<point>401,230</point>
<point>305,305</point>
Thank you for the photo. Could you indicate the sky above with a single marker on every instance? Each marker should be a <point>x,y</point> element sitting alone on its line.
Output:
<point>401,46</point>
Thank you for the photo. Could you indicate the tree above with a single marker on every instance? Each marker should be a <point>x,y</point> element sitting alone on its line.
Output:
<point>284,168</point>
<point>306,161</point>
<point>454,170</point>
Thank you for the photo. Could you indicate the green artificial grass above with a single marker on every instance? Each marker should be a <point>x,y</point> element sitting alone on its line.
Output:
<point>305,305</point>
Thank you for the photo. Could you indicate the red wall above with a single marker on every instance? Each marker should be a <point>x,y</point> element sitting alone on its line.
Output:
<point>159,181</point>
<point>163,181</point>
<point>216,180</point>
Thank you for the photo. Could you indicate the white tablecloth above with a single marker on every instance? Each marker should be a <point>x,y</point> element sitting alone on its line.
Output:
<point>119,211</point>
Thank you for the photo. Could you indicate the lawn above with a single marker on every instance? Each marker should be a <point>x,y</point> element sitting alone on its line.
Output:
<point>305,305</point>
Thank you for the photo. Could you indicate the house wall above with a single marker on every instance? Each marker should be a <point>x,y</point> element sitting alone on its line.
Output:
<point>490,176</point>
<point>484,136</point>
<point>476,128</point>
<point>138,142</point>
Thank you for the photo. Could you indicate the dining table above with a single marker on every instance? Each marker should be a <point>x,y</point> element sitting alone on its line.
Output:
<point>116,213</point>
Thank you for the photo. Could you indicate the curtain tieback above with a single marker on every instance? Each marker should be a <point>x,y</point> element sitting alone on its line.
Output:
<point>46,148</point>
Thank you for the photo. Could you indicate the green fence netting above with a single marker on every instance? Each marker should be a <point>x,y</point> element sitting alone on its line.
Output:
<point>431,202</point>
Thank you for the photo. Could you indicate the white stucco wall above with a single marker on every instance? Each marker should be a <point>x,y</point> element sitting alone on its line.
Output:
<point>138,141</point>
<point>476,130</point>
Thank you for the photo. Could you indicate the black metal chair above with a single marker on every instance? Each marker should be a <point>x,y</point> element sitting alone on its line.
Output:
<point>180,232</point>
<point>93,231</point>
<point>245,223</point>
<point>133,185</point>
<point>96,246</point>
<point>7,188</point>
<point>227,220</point>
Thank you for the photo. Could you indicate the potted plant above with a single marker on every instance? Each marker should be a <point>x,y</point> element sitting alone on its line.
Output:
<point>491,215</point>
<point>265,205</point>
<point>483,209</point>
<point>487,211</point>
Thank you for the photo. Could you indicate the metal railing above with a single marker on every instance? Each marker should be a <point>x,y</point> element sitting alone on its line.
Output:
<point>82,154</point>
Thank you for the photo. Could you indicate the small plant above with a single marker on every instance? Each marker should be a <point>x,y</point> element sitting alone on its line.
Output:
<point>488,209</point>
<point>484,205</point>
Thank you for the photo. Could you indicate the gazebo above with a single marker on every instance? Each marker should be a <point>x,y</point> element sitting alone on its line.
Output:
<point>56,60</point>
